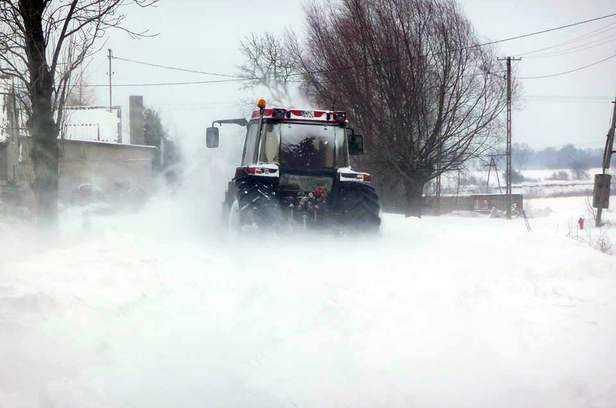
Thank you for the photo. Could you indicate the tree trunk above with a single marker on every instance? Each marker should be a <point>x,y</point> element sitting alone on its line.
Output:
<point>414,200</point>
<point>43,129</point>
<point>44,155</point>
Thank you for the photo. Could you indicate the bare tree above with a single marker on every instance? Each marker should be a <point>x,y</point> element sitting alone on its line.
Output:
<point>269,63</point>
<point>79,92</point>
<point>415,80</point>
<point>42,42</point>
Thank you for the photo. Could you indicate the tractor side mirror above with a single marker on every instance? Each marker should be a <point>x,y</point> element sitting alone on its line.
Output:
<point>211,137</point>
<point>356,144</point>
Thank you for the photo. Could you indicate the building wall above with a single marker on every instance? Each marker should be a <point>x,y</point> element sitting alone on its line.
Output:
<point>109,167</point>
<point>16,177</point>
<point>4,175</point>
<point>11,170</point>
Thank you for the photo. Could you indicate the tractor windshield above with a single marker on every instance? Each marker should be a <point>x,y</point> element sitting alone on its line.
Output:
<point>304,146</point>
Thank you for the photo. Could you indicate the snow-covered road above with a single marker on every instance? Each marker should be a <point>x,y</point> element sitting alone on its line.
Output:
<point>157,310</point>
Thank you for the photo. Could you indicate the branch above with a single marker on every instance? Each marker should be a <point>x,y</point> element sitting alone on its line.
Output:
<point>62,37</point>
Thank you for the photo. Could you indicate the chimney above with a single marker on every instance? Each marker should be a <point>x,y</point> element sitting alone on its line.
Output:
<point>136,120</point>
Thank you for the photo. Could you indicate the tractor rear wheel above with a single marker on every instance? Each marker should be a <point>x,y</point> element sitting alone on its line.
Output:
<point>256,202</point>
<point>356,205</point>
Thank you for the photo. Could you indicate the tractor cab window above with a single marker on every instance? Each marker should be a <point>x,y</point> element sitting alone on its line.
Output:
<point>342,149</point>
<point>270,143</point>
<point>308,146</point>
<point>250,145</point>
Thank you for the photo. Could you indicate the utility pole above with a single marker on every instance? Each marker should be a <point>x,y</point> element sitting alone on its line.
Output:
<point>81,88</point>
<point>11,114</point>
<point>509,91</point>
<point>491,166</point>
<point>601,193</point>
<point>110,73</point>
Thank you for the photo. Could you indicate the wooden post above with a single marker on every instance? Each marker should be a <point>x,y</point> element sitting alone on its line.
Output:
<point>601,192</point>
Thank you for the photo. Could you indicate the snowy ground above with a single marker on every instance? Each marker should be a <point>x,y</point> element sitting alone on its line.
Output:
<point>162,309</point>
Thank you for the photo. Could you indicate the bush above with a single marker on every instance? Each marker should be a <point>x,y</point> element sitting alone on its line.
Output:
<point>468,180</point>
<point>580,174</point>
<point>604,244</point>
<point>517,176</point>
<point>561,175</point>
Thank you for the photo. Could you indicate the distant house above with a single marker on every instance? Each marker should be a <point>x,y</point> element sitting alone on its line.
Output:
<point>92,124</point>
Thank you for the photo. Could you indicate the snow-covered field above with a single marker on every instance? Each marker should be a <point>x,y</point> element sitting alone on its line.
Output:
<point>536,183</point>
<point>163,309</point>
<point>553,183</point>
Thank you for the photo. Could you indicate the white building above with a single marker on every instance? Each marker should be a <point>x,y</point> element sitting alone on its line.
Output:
<point>92,124</point>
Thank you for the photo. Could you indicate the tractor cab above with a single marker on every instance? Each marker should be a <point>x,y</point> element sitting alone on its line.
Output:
<point>299,155</point>
<point>296,141</point>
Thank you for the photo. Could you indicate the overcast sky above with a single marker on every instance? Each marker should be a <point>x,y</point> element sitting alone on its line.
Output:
<point>205,34</point>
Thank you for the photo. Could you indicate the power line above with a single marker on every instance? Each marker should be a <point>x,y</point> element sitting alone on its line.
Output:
<point>585,36</point>
<point>549,30</point>
<point>215,81</point>
<point>570,71</point>
<point>572,101</point>
<point>578,48</point>
<point>570,97</point>
<point>193,71</point>
<point>517,37</point>
<point>236,78</point>
<point>192,103</point>
<point>240,78</point>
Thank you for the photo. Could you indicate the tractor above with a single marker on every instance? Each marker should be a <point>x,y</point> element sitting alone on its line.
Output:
<point>295,169</point>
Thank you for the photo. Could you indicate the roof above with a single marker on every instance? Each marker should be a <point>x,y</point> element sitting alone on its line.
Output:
<point>112,144</point>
